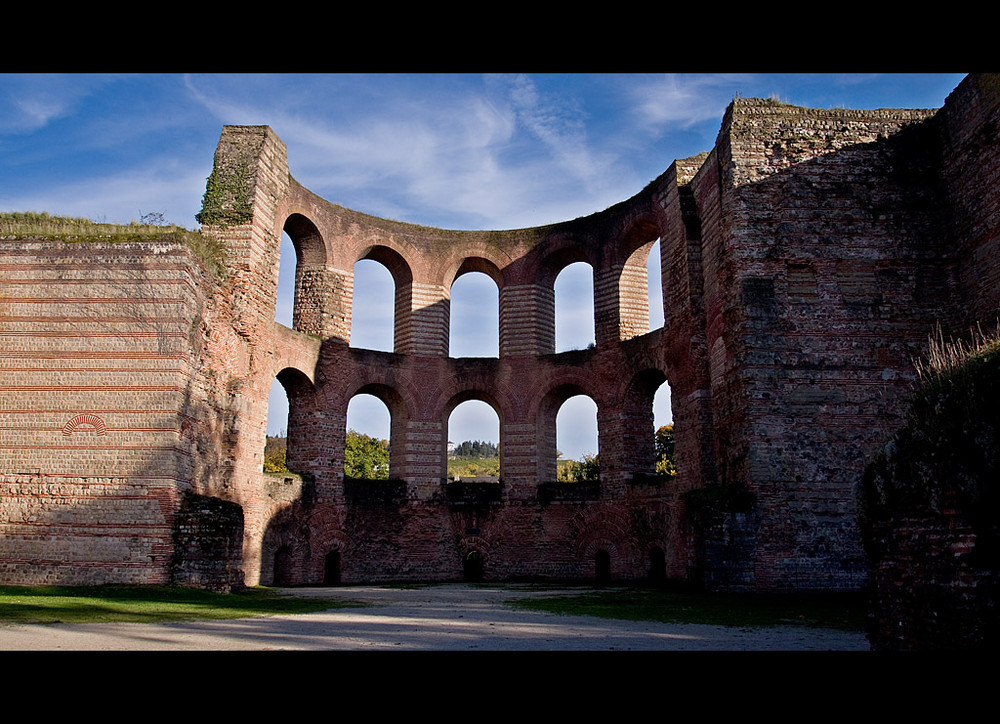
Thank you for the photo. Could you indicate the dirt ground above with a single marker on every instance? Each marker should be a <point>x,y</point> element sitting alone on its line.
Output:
<point>433,618</point>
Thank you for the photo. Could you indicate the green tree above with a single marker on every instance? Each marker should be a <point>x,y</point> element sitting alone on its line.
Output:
<point>587,470</point>
<point>366,457</point>
<point>665,463</point>
<point>275,455</point>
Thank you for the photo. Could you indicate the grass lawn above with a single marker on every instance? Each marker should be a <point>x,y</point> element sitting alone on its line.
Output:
<point>152,604</point>
<point>840,611</point>
<point>145,604</point>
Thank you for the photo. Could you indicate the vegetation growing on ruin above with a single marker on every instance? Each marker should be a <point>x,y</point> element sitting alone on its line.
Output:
<point>30,225</point>
<point>948,454</point>
<point>227,199</point>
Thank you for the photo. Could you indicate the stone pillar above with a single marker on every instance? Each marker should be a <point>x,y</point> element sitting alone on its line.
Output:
<point>527,320</point>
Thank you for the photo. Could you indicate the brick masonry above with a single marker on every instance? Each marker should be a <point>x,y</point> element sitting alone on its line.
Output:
<point>805,259</point>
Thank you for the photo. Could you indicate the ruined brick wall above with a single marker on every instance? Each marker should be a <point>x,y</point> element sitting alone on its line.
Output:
<point>929,498</point>
<point>804,260</point>
<point>825,267</point>
<point>97,369</point>
<point>970,170</point>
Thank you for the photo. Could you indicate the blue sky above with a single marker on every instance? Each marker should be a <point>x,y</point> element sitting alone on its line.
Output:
<point>461,151</point>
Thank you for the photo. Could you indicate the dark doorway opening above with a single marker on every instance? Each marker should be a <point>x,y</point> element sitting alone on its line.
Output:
<point>473,567</point>
<point>283,567</point>
<point>602,570</point>
<point>331,568</point>
<point>657,565</point>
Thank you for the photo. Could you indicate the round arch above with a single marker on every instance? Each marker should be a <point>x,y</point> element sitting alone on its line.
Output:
<point>478,323</point>
<point>398,415</point>
<point>310,249</point>
<point>548,411</point>
<point>310,265</point>
<point>472,395</point>
<point>638,431</point>
<point>402,277</point>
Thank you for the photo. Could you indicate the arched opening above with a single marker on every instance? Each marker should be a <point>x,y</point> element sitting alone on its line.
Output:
<point>654,286</point>
<point>639,293</point>
<point>646,428</point>
<point>474,316</point>
<point>663,427</point>
<point>473,449</point>
<point>472,567</point>
<point>602,567</point>
<point>368,439</point>
<point>577,440</point>
<point>331,568</point>
<point>309,273</point>
<point>284,307</point>
<point>283,566</point>
<point>287,425</point>
<point>574,307</point>
<point>373,306</point>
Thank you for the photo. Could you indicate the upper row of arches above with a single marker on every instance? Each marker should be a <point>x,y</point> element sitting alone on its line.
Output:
<point>474,304</point>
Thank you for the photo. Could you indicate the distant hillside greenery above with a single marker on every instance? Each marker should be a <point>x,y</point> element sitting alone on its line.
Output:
<point>474,458</point>
<point>368,458</point>
<point>150,227</point>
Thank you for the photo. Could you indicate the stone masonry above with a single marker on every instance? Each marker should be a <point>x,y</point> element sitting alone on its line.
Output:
<point>805,260</point>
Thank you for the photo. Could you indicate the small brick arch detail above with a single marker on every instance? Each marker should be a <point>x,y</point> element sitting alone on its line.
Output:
<point>86,418</point>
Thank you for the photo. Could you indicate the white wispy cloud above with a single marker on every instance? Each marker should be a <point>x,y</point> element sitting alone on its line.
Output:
<point>32,101</point>
<point>444,151</point>
<point>121,197</point>
<point>682,100</point>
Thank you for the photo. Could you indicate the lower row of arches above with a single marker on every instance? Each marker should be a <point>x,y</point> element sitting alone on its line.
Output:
<point>473,433</point>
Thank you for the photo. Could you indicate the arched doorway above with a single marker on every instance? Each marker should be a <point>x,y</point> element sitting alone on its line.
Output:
<point>472,567</point>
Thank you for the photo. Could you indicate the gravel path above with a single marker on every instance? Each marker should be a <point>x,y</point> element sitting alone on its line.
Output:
<point>434,618</point>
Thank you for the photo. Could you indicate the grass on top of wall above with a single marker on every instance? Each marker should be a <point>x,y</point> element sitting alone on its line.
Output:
<point>28,225</point>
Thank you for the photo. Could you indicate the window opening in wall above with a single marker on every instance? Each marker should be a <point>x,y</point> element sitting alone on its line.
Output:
<point>663,431</point>
<point>655,288</point>
<point>576,440</point>
<point>366,450</point>
<point>574,300</point>
<point>475,316</point>
<point>276,443</point>
<point>373,306</point>
<point>474,442</point>
<point>285,305</point>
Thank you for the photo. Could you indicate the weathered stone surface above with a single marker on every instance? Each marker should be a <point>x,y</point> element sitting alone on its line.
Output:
<point>804,259</point>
